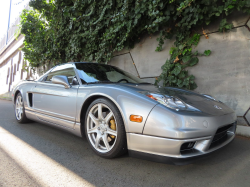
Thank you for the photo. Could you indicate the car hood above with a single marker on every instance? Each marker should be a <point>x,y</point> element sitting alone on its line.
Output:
<point>192,98</point>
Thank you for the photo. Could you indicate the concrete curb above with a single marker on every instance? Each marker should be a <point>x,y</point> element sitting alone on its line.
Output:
<point>243,130</point>
<point>6,98</point>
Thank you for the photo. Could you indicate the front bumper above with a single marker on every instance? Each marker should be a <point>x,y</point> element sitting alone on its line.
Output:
<point>168,150</point>
<point>168,134</point>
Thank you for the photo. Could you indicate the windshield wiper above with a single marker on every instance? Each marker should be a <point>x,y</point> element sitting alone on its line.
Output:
<point>99,82</point>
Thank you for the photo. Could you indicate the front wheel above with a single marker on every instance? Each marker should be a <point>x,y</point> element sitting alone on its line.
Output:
<point>104,129</point>
<point>20,110</point>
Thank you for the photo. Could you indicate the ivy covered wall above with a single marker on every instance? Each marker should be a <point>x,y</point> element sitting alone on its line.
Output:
<point>163,39</point>
<point>58,31</point>
<point>225,74</point>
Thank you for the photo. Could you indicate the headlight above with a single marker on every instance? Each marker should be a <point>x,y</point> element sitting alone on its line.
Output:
<point>170,101</point>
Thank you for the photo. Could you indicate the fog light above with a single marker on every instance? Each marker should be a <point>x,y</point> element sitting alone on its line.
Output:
<point>136,118</point>
<point>187,146</point>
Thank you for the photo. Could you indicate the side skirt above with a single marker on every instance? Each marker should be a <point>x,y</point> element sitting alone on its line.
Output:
<point>55,122</point>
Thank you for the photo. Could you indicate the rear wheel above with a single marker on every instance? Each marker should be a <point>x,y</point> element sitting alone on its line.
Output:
<point>20,110</point>
<point>104,129</point>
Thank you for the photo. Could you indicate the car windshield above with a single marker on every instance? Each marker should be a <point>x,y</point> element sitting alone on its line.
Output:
<point>101,73</point>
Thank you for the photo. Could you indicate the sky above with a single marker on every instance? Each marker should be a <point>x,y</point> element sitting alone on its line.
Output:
<point>16,9</point>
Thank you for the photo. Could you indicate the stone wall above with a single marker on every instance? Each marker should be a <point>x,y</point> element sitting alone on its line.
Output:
<point>225,74</point>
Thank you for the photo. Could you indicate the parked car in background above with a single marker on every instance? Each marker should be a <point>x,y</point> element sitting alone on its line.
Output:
<point>118,112</point>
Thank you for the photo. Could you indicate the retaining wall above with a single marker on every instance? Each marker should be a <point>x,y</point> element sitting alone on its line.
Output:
<point>225,74</point>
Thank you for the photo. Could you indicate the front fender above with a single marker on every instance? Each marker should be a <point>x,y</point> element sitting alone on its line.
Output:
<point>23,87</point>
<point>128,103</point>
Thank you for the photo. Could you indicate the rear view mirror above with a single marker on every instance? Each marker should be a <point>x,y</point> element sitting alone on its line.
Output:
<point>61,79</point>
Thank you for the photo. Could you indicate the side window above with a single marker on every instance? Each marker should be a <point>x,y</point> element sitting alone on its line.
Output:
<point>68,72</point>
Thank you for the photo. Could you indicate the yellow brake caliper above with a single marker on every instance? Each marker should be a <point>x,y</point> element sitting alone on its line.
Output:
<point>113,127</point>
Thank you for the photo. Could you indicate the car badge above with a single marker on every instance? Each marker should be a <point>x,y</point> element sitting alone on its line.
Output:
<point>217,107</point>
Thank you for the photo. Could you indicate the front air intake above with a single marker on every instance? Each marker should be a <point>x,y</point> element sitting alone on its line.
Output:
<point>187,146</point>
<point>221,134</point>
<point>30,95</point>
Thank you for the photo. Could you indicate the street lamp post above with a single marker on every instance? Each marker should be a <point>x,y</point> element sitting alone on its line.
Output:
<point>8,22</point>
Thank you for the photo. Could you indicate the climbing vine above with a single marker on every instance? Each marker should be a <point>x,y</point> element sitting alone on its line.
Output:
<point>58,31</point>
<point>174,71</point>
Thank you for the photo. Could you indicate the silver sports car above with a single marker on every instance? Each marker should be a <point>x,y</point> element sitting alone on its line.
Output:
<point>118,112</point>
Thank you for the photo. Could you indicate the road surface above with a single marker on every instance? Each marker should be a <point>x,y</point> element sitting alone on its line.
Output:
<point>34,154</point>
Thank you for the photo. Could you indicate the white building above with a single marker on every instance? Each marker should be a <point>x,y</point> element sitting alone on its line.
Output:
<point>12,63</point>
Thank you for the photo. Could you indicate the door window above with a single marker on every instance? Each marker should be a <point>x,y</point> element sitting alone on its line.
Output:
<point>66,70</point>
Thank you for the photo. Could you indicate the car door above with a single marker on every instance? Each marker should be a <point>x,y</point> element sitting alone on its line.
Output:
<point>54,103</point>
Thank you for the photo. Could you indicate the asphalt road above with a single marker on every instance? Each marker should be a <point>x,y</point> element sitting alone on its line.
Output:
<point>38,155</point>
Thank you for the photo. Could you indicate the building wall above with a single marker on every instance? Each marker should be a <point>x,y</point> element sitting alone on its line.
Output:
<point>12,72</point>
<point>12,67</point>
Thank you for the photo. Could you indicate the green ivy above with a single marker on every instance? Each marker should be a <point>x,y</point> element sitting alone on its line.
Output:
<point>225,26</point>
<point>58,31</point>
<point>174,71</point>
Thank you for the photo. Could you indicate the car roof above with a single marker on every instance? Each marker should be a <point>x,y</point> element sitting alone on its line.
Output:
<point>72,63</point>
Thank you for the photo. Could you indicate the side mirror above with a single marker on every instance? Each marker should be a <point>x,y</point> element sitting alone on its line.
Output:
<point>61,79</point>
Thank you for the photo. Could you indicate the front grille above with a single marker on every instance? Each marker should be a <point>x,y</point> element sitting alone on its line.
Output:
<point>221,135</point>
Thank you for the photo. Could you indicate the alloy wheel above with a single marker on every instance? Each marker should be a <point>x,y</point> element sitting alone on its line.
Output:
<point>19,107</point>
<point>101,128</point>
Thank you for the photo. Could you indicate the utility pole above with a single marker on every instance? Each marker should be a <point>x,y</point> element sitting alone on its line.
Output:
<point>8,22</point>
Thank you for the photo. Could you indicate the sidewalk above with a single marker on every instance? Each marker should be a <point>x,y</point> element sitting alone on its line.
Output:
<point>6,96</point>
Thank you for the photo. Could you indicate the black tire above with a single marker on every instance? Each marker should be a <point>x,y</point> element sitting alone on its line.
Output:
<point>120,144</point>
<point>22,118</point>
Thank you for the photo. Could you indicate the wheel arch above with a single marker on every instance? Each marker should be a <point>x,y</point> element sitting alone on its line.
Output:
<point>15,95</point>
<point>86,104</point>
